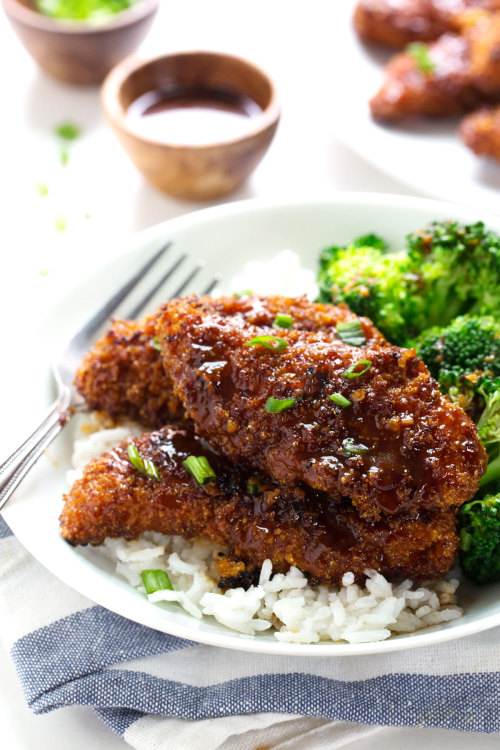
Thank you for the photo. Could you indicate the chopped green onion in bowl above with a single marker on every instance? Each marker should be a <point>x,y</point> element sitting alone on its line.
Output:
<point>82,10</point>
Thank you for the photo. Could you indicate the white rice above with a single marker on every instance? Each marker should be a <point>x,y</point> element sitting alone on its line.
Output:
<point>284,604</point>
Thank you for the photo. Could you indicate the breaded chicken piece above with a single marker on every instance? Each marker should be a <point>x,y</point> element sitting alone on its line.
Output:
<point>396,445</point>
<point>480,131</point>
<point>445,89</point>
<point>288,525</point>
<point>124,375</point>
<point>482,33</point>
<point>396,23</point>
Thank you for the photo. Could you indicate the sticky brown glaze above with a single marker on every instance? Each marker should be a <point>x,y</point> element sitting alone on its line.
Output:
<point>396,23</point>
<point>481,29</point>
<point>448,89</point>
<point>480,131</point>
<point>124,375</point>
<point>291,526</point>
<point>399,445</point>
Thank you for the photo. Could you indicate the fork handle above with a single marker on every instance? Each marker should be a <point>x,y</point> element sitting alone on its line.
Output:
<point>17,465</point>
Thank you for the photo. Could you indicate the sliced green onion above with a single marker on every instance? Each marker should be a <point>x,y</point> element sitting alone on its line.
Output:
<point>253,487</point>
<point>156,344</point>
<point>68,131</point>
<point>270,342</point>
<point>351,332</point>
<point>64,157</point>
<point>357,449</point>
<point>420,53</point>
<point>339,399</point>
<point>42,189</point>
<point>156,580</point>
<point>275,405</point>
<point>199,468</point>
<point>144,465</point>
<point>353,372</point>
<point>282,320</point>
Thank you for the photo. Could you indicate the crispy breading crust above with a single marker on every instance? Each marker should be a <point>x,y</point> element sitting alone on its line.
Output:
<point>399,445</point>
<point>289,525</point>
<point>480,131</point>
<point>123,373</point>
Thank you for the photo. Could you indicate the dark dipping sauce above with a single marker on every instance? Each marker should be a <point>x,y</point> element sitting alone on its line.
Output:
<point>192,116</point>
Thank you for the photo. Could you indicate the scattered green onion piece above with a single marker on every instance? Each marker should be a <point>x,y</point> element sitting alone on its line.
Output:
<point>339,399</point>
<point>351,371</point>
<point>60,223</point>
<point>282,320</point>
<point>420,53</point>
<point>156,344</point>
<point>357,449</point>
<point>64,157</point>
<point>156,580</point>
<point>252,487</point>
<point>270,342</point>
<point>68,131</point>
<point>351,332</point>
<point>199,468</point>
<point>275,405</point>
<point>144,465</point>
<point>42,189</point>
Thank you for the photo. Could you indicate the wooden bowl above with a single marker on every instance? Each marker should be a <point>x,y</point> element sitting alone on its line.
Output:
<point>76,52</point>
<point>192,171</point>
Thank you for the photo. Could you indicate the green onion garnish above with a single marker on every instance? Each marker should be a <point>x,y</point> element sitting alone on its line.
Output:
<point>68,131</point>
<point>353,372</point>
<point>199,468</point>
<point>156,344</point>
<point>420,54</point>
<point>270,342</point>
<point>357,449</point>
<point>64,157</point>
<point>156,580</point>
<point>275,405</point>
<point>144,465</point>
<point>351,332</point>
<point>42,189</point>
<point>339,399</point>
<point>282,320</point>
<point>253,487</point>
<point>60,223</point>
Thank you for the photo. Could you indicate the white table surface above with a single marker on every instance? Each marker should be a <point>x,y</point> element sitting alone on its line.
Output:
<point>99,193</point>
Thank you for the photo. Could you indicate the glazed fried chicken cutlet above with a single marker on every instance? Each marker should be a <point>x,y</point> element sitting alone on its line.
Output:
<point>398,446</point>
<point>453,75</point>
<point>289,525</point>
<point>396,23</point>
<point>480,131</point>
<point>124,374</point>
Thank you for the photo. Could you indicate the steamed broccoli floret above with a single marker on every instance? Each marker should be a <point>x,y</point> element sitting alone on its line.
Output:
<point>448,269</point>
<point>464,358</point>
<point>371,282</point>
<point>480,539</point>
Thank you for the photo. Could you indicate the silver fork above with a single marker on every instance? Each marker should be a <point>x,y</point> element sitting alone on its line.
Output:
<point>68,401</point>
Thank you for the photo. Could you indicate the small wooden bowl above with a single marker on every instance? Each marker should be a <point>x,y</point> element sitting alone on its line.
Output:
<point>201,171</point>
<point>76,52</point>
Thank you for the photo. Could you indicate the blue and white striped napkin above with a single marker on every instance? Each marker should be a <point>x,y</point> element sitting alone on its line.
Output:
<point>152,688</point>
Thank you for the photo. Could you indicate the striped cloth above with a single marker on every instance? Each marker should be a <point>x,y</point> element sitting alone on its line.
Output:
<point>159,691</point>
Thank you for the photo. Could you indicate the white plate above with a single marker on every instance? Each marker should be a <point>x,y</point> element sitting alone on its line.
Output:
<point>225,237</point>
<point>427,155</point>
